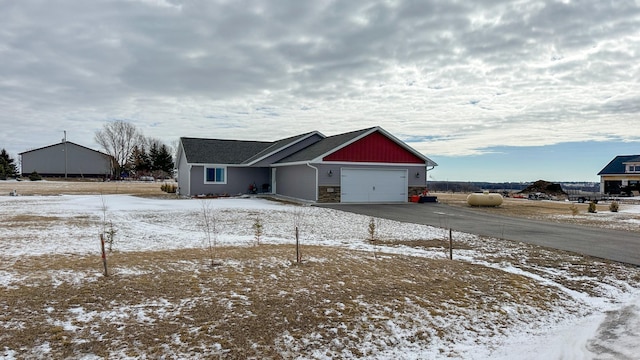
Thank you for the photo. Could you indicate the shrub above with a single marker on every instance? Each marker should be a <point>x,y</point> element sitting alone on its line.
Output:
<point>34,176</point>
<point>169,188</point>
<point>574,209</point>
<point>592,207</point>
<point>614,206</point>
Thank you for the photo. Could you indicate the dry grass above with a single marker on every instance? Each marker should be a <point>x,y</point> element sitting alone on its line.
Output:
<point>163,302</point>
<point>520,207</point>
<point>79,187</point>
<point>556,211</point>
<point>258,303</point>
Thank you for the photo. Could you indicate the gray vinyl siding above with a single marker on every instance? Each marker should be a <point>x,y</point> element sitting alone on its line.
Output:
<point>183,175</point>
<point>417,181</point>
<point>238,180</point>
<point>323,174</point>
<point>297,181</point>
<point>80,161</point>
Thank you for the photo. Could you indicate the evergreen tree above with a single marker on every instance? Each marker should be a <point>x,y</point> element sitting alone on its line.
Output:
<point>153,156</point>
<point>164,160</point>
<point>139,161</point>
<point>7,166</point>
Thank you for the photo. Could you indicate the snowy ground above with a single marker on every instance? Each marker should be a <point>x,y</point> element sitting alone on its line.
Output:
<point>603,322</point>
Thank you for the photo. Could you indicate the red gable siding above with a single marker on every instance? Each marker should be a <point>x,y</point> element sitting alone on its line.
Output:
<point>374,148</point>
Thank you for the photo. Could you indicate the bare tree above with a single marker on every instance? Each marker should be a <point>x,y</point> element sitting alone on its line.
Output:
<point>209,222</point>
<point>118,139</point>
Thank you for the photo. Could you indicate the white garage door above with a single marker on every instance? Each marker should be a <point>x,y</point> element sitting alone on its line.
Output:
<point>373,185</point>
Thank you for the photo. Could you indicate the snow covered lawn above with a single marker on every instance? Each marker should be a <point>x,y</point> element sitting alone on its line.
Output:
<point>396,297</point>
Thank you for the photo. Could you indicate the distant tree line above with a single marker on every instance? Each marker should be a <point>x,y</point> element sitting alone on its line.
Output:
<point>471,186</point>
<point>8,167</point>
<point>135,155</point>
<point>475,186</point>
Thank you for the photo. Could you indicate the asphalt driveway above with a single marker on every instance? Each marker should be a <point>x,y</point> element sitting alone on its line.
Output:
<point>614,245</point>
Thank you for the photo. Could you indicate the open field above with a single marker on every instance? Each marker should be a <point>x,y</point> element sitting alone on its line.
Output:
<point>395,297</point>
<point>81,187</point>
<point>510,207</point>
<point>520,207</point>
<point>558,211</point>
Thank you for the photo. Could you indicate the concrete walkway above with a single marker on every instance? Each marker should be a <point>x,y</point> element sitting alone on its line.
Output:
<point>614,245</point>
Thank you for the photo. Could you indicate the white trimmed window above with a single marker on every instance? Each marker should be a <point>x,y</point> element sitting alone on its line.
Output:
<point>215,175</point>
<point>633,168</point>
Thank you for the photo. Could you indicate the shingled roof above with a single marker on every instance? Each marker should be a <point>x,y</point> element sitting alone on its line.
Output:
<point>278,145</point>
<point>233,152</point>
<point>238,152</point>
<point>616,166</point>
<point>214,151</point>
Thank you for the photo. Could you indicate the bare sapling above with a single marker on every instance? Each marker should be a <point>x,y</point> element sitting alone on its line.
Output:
<point>373,228</point>
<point>258,229</point>
<point>108,229</point>
<point>209,224</point>
<point>299,214</point>
<point>110,236</point>
<point>103,234</point>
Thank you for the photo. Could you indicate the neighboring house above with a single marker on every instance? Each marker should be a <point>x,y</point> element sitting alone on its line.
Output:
<point>66,159</point>
<point>368,165</point>
<point>621,175</point>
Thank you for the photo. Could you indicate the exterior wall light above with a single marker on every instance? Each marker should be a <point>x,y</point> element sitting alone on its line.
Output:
<point>330,173</point>
<point>417,175</point>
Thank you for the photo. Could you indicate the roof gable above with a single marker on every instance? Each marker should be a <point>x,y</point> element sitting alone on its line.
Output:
<point>617,165</point>
<point>331,149</point>
<point>374,148</point>
<point>323,146</point>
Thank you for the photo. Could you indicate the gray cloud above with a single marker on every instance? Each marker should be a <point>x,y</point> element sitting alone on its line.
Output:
<point>464,77</point>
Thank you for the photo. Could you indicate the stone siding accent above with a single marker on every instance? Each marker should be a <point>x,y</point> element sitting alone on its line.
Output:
<point>415,190</point>
<point>328,194</point>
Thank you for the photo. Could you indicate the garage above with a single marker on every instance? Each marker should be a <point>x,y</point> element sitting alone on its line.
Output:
<point>373,185</point>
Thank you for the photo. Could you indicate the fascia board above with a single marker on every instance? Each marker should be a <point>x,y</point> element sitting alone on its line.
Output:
<point>179,154</point>
<point>428,161</point>
<point>211,164</point>
<point>62,143</point>
<point>292,163</point>
<point>366,163</point>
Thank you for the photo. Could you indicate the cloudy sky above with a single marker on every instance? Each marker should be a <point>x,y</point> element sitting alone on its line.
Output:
<point>491,90</point>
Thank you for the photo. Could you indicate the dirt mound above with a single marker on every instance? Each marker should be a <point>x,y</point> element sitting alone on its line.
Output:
<point>545,187</point>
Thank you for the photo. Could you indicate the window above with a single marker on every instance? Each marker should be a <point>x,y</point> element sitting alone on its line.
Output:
<point>215,175</point>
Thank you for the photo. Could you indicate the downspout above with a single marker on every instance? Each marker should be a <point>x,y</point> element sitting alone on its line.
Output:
<point>426,175</point>
<point>188,180</point>
<point>316,188</point>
